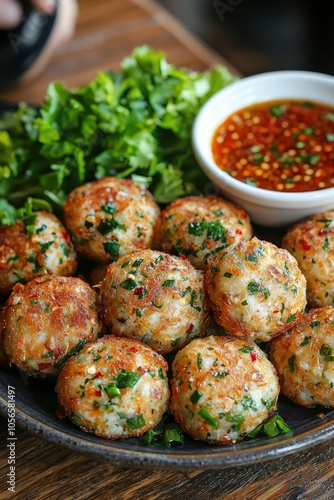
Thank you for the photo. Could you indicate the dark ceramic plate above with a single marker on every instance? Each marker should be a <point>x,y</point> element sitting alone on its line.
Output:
<point>36,406</point>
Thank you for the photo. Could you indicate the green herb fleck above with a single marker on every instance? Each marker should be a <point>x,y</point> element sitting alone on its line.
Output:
<point>112,248</point>
<point>209,419</point>
<point>168,283</point>
<point>127,379</point>
<point>128,284</point>
<point>135,422</point>
<point>195,397</point>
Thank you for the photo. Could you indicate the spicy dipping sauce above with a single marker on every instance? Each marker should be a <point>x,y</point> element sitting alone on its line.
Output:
<point>280,145</point>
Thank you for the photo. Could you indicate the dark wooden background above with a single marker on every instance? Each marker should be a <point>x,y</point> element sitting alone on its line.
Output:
<point>107,31</point>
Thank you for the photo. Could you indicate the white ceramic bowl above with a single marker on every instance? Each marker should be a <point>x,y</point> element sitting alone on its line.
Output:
<point>269,208</point>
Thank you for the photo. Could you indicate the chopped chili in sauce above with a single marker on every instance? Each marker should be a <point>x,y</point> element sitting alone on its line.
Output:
<point>279,145</point>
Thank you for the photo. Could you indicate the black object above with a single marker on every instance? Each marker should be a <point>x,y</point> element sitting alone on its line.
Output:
<point>20,48</point>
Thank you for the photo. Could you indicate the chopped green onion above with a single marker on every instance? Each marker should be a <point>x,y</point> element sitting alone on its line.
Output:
<point>127,379</point>
<point>74,350</point>
<point>128,284</point>
<point>168,283</point>
<point>112,391</point>
<point>135,422</point>
<point>209,419</point>
<point>112,248</point>
<point>195,397</point>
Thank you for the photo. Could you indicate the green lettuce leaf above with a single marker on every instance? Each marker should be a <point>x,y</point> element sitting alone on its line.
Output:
<point>133,123</point>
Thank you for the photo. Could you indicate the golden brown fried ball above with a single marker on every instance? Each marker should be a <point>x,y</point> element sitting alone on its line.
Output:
<point>304,359</point>
<point>46,319</point>
<point>257,290</point>
<point>4,360</point>
<point>155,297</point>
<point>114,387</point>
<point>110,217</point>
<point>202,226</point>
<point>312,243</point>
<point>222,388</point>
<point>38,245</point>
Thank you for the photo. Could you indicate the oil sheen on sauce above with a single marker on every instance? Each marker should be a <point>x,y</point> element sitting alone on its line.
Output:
<point>280,145</point>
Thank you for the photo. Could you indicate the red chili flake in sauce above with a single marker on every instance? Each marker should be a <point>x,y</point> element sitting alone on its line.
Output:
<point>139,290</point>
<point>281,146</point>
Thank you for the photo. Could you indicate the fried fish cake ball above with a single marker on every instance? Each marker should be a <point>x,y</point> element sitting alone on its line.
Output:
<point>46,319</point>
<point>110,217</point>
<point>4,361</point>
<point>304,357</point>
<point>38,245</point>
<point>114,387</point>
<point>312,243</point>
<point>201,226</point>
<point>155,297</point>
<point>257,290</point>
<point>222,388</point>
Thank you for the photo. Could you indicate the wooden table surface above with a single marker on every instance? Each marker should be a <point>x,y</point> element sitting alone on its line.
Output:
<point>107,31</point>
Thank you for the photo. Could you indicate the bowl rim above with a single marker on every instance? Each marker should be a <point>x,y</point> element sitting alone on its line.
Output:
<point>245,191</point>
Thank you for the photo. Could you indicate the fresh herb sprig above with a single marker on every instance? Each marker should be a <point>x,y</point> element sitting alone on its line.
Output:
<point>133,123</point>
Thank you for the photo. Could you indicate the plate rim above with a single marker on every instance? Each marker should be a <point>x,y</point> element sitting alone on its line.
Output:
<point>276,448</point>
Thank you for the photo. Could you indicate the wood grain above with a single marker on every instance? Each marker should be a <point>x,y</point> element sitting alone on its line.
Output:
<point>107,31</point>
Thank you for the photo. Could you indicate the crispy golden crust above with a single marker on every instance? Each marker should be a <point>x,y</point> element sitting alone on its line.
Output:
<point>312,244</point>
<point>157,298</point>
<point>45,249</point>
<point>4,360</point>
<point>115,387</point>
<point>222,388</point>
<point>200,227</point>
<point>256,290</point>
<point>45,319</point>
<point>110,217</point>
<point>303,358</point>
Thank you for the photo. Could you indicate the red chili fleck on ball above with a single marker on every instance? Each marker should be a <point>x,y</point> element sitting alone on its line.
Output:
<point>57,353</point>
<point>134,349</point>
<point>238,231</point>
<point>182,256</point>
<point>304,244</point>
<point>65,236</point>
<point>44,366</point>
<point>139,290</point>
<point>190,328</point>
<point>253,356</point>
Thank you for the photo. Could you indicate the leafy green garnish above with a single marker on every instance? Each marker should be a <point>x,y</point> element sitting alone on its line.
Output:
<point>133,123</point>
<point>272,427</point>
<point>167,435</point>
